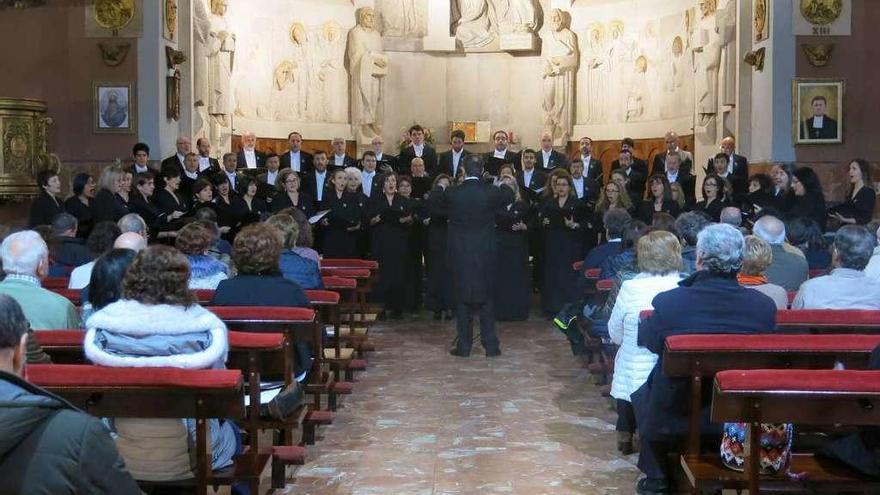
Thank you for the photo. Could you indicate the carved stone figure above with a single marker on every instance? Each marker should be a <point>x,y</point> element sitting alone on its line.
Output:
<point>725,26</point>
<point>215,44</point>
<point>619,62</point>
<point>304,79</point>
<point>707,62</point>
<point>170,19</point>
<point>515,16</point>
<point>332,75</point>
<point>597,69</point>
<point>473,28</point>
<point>403,18</point>
<point>368,66</point>
<point>284,100</point>
<point>560,63</point>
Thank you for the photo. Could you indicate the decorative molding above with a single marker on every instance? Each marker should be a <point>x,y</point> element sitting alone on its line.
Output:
<point>756,59</point>
<point>818,55</point>
<point>113,54</point>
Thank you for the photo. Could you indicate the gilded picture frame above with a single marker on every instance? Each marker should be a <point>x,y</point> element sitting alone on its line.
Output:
<point>169,20</point>
<point>114,108</point>
<point>817,110</point>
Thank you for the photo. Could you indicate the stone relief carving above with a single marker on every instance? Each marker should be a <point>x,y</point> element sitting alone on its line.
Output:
<point>403,18</point>
<point>216,43</point>
<point>331,72</point>
<point>368,66</point>
<point>595,58</point>
<point>560,64</point>
<point>495,24</point>
<point>473,27</point>
<point>707,63</point>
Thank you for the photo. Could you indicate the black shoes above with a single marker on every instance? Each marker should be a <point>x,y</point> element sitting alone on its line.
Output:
<point>652,486</point>
<point>455,352</point>
<point>495,353</point>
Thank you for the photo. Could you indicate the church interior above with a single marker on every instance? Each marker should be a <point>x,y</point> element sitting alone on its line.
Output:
<point>306,115</point>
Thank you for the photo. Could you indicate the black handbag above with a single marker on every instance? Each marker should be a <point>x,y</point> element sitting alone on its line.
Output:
<point>286,402</point>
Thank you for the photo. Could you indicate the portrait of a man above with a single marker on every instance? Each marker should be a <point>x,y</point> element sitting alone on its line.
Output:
<point>818,111</point>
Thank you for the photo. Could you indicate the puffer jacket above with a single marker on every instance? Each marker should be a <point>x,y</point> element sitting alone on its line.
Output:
<point>47,446</point>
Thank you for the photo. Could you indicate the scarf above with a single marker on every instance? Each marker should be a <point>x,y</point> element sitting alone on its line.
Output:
<point>751,279</point>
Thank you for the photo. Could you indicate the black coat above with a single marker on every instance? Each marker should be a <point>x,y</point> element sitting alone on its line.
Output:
<point>445,165</point>
<point>260,290</point>
<point>713,209</point>
<point>638,176</point>
<point>646,209</point>
<point>108,207</point>
<point>244,214</point>
<point>69,252</point>
<point>305,203</point>
<point>345,213</point>
<point>662,402</point>
<point>170,161</point>
<point>860,207</point>
<point>429,156</point>
<point>49,446</point>
<point>387,163</point>
<point>242,162</point>
<point>305,162</point>
<point>592,170</point>
<point>389,243</point>
<point>347,161</point>
<point>169,202</point>
<point>44,209</point>
<point>83,214</point>
<point>557,159</point>
<point>310,185</point>
<point>513,286</point>
<point>492,165</point>
<point>739,179</point>
<point>470,208</point>
<point>531,192</point>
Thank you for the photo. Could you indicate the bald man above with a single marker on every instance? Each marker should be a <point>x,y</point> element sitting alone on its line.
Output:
<point>548,158</point>
<point>249,157</point>
<point>184,146</point>
<point>130,240</point>
<point>737,169</point>
<point>672,145</point>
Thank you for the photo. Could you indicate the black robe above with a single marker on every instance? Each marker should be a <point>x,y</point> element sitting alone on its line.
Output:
<point>245,215</point>
<point>388,239</point>
<point>439,280</point>
<point>414,270</point>
<point>83,214</point>
<point>712,209</point>
<point>44,209</point>
<point>345,213</point>
<point>563,246</point>
<point>305,203</point>
<point>646,209</point>
<point>168,202</point>
<point>108,207</point>
<point>513,287</point>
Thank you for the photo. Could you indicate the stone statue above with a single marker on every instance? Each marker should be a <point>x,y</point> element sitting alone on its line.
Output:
<point>201,36</point>
<point>597,68</point>
<point>214,44</point>
<point>403,18</point>
<point>284,101</point>
<point>473,27</point>
<point>515,16</point>
<point>303,77</point>
<point>332,75</point>
<point>725,26</point>
<point>368,66</point>
<point>560,64</point>
<point>707,62</point>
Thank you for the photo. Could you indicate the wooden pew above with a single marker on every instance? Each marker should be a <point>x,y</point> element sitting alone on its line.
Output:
<point>55,282</point>
<point>357,336</point>
<point>812,397</point>
<point>829,320</point>
<point>161,393</point>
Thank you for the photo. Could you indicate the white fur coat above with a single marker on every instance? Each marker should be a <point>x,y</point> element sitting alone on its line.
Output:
<point>134,319</point>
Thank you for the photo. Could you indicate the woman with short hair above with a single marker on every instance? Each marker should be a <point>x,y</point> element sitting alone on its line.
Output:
<point>48,203</point>
<point>294,266</point>
<point>659,261</point>
<point>158,323</point>
<point>290,195</point>
<point>757,256</point>
<point>194,240</point>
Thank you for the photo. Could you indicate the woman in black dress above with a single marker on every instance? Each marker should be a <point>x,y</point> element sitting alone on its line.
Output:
<point>415,243</point>
<point>79,205</point>
<point>248,208</point>
<point>760,196</point>
<point>713,197</point>
<point>439,283</point>
<point>108,206</point>
<point>809,201</point>
<point>859,206</point>
<point>289,195</point>
<point>171,205</point>
<point>202,196</point>
<point>659,199</point>
<point>342,223</point>
<point>389,218</point>
<point>512,274</point>
<point>562,217</point>
<point>783,195</point>
<point>123,195</point>
<point>48,204</point>
<point>159,225</point>
<point>223,196</point>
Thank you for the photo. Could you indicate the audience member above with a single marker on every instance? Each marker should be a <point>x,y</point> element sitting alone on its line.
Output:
<point>756,258</point>
<point>105,285</point>
<point>305,240</point>
<point>130,240</point>
<point>690,308</point>
<point>132,222</point>
<point>731,215</point>
<point>688,225</point>
<point>873,268</point>
<point>302,270</point>
<point>194,240</point>
<point>804,233</point>
<point>659,264</point>
<point>99,241</point>
<point>67,250</point>
<point>847,286</point>
<point>615,221</point>
<point>788,269</point>
<point>26,262</point>
<point>48,445</point>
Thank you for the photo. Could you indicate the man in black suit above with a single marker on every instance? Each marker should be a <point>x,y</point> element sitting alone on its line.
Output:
<point>592,166</point>
<point>266,181</point>
<point>317,182</point>
<point>190,175</point>
<point>636,171</point>
<point>530,179</point>
<point>340,159</point>
<point>629,145</point>
<point>296,158</point>
<point>141,154</point>
<point>587,190</point>
<point>687,159</point>
<point>451,160</point>
<point>493,160</point>
<point>249,157</point>
<point>230,170</point>
<point>184,146</point>
<point>819,126</point>
<point>471,208</point>
<point>417,148</point>
<point>548,158</point>
<point>737,168</point>
<point>384,162</point>
<point>675,171</point>
<point>370,183</point>
<point>205,161</point>
<point>659,404</point>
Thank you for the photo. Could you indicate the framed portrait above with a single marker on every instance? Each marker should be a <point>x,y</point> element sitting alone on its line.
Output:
<point>817,111</point>
<point>114,108</point>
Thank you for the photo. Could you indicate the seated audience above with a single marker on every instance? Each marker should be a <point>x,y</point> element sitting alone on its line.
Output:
<point>105,285</point>
<point>688,225</point>
<point>67,250</point>
<point>306,238</point>
<point>49,446</point>
<point>615,221</point>
<point>693,307</point>
<point>873,268</point>
<point>659,264</point>
<point>788,269</point>
<point>731,215</point>
<point>194,240</point>
<point>26,262</point>
<point>99,241</point>
<point>625,259</point>
<point>756,258</point>
<point>847,286</point>
<point>804,233</point>
<point>302,270</point>
<point>130,240</point>
<point>158,323</point>
<point>133,223</point>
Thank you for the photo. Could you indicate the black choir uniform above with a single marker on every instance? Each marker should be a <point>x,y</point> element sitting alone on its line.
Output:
<point>302,166</point>
<point>493,164</point>
<point>226,216</point>
<point>154,218</point>
<point>310,185</point>
<point>532,195</point>
<point>782,201</point>
<point>447,165</point>
<point>739,178</point>
<point>246,214</point>
<point>174,160</point>
<point>345,213</point>
<point>259,158</point>
<point>638,177</point>
<point>659,164</point>
<point>755,202</point>
<point>554,159</point>
<point>234,180</point>
<point>810,205</point>
<point>388,242</point>
<point>513,286</point>
<point>588,192</point>
<point>429,156</point>
<point>563,246</point>
<point>647,209</point>
<point>688,183</point>
<point>213,166</point>
<point>108,207</point>
<point>265,191</point>
<point>860,206</point>
<point>168,202</point>
<point>44,209</point>
<point>385,163</point>
<point>186,184</point>
<point>83,214</point>
<point>347,161</point>
<point>439,266</point>
<point>592,169</point>
<point>304,202</point>
<point>712,209</point>
<point>416,246</point>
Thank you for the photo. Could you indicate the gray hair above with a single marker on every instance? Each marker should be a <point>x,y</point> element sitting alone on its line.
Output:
<point>22,253</point>
<point>132,222</point>
<point>720,248</point>
<point>354,171</point>
<point>616,220</point>
<point>731,215</point>
<point>64,222</point>
<point>854,246</point>
<point>771,229</point>
<point>689,224</point>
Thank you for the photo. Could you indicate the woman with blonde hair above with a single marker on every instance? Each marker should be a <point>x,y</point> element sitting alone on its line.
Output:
<point>658,256</point>
<point>108,205</point>
<point>757,256</point>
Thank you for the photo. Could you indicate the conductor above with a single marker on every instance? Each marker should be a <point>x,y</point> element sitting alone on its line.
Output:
<point>471,211</point>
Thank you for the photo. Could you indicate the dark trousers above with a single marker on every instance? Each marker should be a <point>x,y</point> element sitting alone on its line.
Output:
<point>626,416</point>
<point>464,313</point>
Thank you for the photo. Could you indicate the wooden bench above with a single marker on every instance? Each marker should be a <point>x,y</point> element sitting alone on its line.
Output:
<point>52,283</point>
<point>161,393</point>
<point>810,397</point>
<point>829,320</point>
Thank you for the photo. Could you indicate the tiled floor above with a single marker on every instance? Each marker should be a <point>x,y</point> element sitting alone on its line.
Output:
<point>423,422</point>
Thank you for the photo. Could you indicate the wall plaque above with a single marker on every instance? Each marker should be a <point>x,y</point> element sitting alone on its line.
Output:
<point>822,17</point>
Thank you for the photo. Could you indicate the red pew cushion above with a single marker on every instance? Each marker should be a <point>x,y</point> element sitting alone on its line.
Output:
<point>204,296</point>
<point>592,273</point>
<point>83,375</point>
<point>263,313</point>
<point>770,342</point>
<point>577,265</point>
<point>251,340</point>
<point>605,285</point>
<point>828,317</point>
<point>346,272</point>
<point>55,282</point>
<point>349,263</point>
<point>799,380</point>
<point>322,296</point>
<point>339,283</point>
<point>72,295</point>
<point>56,338</point>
